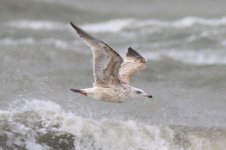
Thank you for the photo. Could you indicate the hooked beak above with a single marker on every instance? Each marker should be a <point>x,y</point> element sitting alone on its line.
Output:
<point>149,96</point>
<point>79,91</point>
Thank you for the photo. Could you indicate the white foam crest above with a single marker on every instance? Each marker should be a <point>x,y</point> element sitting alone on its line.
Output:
<point>108,26</point>
<point>183,23</point>
<point>104,133</point>
<point>31,41</point>
<point>37,25</point>
<point>189,57</point>
<point>89,133</point>
<point>117,25</point>
<point>190,21</point>
<point>25,41</point>
<point>56,42</point>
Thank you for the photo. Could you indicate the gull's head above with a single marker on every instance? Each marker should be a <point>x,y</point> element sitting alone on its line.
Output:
<point>138,92</point>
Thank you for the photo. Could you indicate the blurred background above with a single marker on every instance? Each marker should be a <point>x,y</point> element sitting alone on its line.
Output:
<point>41,58</point>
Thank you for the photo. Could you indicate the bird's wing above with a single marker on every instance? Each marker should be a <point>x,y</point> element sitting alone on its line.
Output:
<point>106,62</point>
<point>132,64</point>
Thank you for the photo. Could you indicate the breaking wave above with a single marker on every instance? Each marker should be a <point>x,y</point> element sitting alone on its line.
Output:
<point>128,23</point>
<point>185,22</point>
<point>31,41</point>
<point>37,124</point>
<point>117,25</point>
<point>189,57</point>
<point>204,57</point>
<point>14,42</point>
<point>109,26</point>
<point>37,25</point>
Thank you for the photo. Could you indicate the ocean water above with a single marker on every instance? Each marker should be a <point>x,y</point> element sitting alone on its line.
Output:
<point>41,58</point>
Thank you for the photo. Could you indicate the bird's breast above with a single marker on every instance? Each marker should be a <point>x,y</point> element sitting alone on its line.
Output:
<point>113,94</point>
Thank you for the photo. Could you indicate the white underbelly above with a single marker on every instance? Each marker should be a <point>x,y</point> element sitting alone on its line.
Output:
<point>116,94</point>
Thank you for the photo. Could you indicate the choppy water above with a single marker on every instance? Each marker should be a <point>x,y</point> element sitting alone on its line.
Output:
<point>41,58</point>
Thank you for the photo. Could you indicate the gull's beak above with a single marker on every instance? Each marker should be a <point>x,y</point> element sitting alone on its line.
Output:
<point>79,91</point>
<point>149,95</point>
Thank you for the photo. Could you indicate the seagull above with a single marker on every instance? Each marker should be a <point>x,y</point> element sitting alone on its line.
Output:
<point>112,74</point>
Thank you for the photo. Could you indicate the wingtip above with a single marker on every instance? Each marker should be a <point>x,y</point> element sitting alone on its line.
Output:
<point>73,25</point>
<point>130,49</point>
<point>81,32</point>
<point>132,52</point>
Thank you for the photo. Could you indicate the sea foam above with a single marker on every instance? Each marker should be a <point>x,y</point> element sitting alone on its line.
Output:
<point>37,124</point>
<point>37,25</point>
<point>189,57</point>
<point>115,25</point>
<point>32,41</point>
<point>119,24</point>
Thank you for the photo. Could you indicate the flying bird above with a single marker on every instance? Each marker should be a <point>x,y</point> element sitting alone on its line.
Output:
<point>112,74</point>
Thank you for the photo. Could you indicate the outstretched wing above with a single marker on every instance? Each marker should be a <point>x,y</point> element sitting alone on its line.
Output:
<point>106,62</point>
<point>132,64</point>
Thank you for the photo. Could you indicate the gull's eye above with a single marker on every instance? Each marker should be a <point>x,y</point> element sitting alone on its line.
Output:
<point>138,92</point>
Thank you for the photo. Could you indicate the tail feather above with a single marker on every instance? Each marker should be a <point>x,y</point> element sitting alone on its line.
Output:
<point>79,91</point>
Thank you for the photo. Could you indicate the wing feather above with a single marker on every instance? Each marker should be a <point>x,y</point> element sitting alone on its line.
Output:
<point>133,63</point>
<point>106,61</point>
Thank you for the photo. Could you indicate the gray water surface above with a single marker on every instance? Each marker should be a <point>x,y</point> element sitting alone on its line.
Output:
<point>41,58</point>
